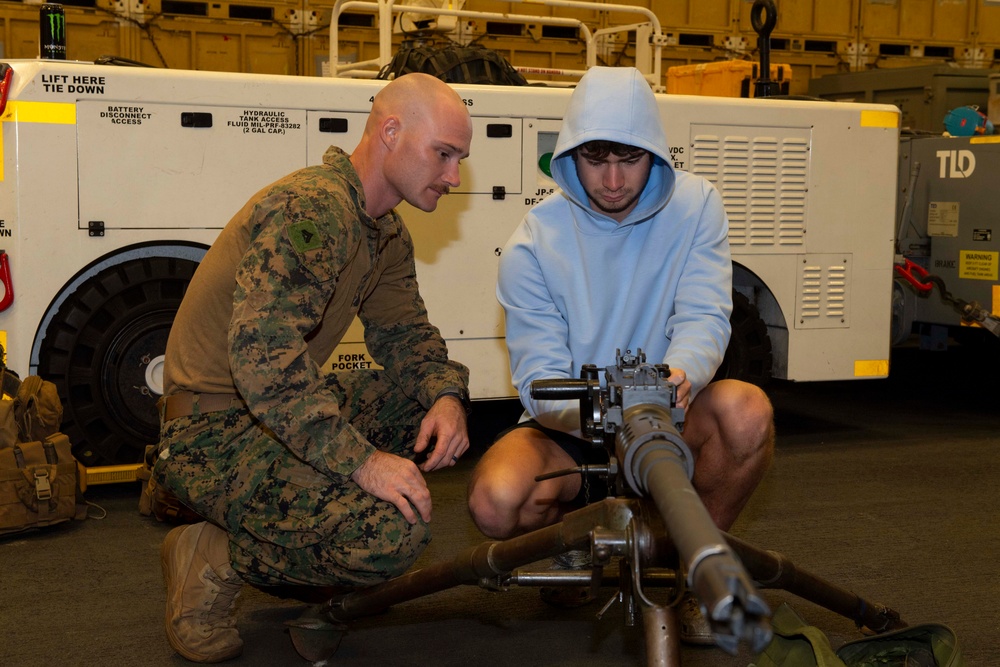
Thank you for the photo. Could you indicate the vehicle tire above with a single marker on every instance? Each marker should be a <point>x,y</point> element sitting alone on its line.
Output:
<point>104,352</point>
<point>748,356</point>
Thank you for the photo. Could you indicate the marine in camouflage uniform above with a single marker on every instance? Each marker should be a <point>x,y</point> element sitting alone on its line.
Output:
<point>267,306</point>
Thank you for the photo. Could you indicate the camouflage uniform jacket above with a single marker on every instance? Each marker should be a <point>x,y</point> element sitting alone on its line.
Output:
<point>275,295</point>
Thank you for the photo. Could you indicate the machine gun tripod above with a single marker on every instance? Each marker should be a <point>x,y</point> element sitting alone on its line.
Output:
<point>654,528</point>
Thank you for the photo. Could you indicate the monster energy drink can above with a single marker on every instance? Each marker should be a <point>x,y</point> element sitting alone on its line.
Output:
<point>52,32</point>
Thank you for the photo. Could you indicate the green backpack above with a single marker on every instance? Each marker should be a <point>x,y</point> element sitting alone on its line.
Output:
<point>796,644</point>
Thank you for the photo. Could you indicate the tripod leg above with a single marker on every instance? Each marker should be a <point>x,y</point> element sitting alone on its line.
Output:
<point>485,562</point>
<point>773,570</point>
<point>662,631</point>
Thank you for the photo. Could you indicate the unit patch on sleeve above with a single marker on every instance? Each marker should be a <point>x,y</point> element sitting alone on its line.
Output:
<point>304,236</point>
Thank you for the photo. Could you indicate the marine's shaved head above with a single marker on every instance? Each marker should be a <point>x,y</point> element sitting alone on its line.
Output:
<point>414,96</point>
<point>418,131</point>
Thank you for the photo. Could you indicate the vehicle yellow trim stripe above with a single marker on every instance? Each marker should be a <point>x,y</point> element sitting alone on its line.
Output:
<point>880,119</point>
<point>61,113</point>
<point>871,368</point>
<point>40,112</point>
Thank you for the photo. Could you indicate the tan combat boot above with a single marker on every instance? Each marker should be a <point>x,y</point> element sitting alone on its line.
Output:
<point>201,593</point>
<point>695,628</point>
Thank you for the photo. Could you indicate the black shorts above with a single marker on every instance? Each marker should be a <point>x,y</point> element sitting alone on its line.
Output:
<point>594,487</point>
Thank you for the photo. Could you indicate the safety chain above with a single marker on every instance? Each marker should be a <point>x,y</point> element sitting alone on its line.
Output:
<point>918,277</point>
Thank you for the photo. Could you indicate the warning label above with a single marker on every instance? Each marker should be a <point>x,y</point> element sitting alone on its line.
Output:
<point>978,265</point>
<point>261,121</point>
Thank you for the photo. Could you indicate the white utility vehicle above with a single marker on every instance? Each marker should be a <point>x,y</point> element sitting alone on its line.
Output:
<point>115,180</point>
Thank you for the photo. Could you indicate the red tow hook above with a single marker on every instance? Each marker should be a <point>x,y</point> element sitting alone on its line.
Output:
<point>909,271</point>
<point>6,76</point>
<point>8,284</point>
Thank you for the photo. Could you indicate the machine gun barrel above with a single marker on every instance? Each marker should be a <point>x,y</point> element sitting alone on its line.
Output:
<point>660,469</point>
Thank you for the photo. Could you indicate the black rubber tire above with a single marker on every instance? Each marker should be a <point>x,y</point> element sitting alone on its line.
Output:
<point>748,356</point>
<point>96,350</point>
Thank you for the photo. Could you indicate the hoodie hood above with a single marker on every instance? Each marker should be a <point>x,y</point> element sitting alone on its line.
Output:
<point>614,104</point>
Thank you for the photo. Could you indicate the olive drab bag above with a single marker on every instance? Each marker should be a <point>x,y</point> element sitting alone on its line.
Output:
<point>797,644</point>
<point>40,479</point>
<point>37,409</point>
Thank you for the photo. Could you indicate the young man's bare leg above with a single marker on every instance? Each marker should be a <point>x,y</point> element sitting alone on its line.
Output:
<point>504,498</point>
<point>730,430</point>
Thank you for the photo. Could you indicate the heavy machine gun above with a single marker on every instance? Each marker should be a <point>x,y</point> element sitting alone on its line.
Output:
<point>652,532</point>
<point>634,416</point>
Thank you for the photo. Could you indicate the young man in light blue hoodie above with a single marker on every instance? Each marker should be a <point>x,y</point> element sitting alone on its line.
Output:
<point>629,254</point>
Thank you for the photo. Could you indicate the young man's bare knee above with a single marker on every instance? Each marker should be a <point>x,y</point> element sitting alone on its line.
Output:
<point>494,507</point>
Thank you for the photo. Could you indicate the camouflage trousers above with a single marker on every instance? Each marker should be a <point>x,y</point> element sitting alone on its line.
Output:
<point>289,523</point>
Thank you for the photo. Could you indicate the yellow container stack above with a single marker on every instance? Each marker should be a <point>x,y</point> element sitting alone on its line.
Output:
<point>729,78</point>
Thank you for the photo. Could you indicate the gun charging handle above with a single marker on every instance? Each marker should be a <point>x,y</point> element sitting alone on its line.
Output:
<point>560,390</point>
<point>587,390</point>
